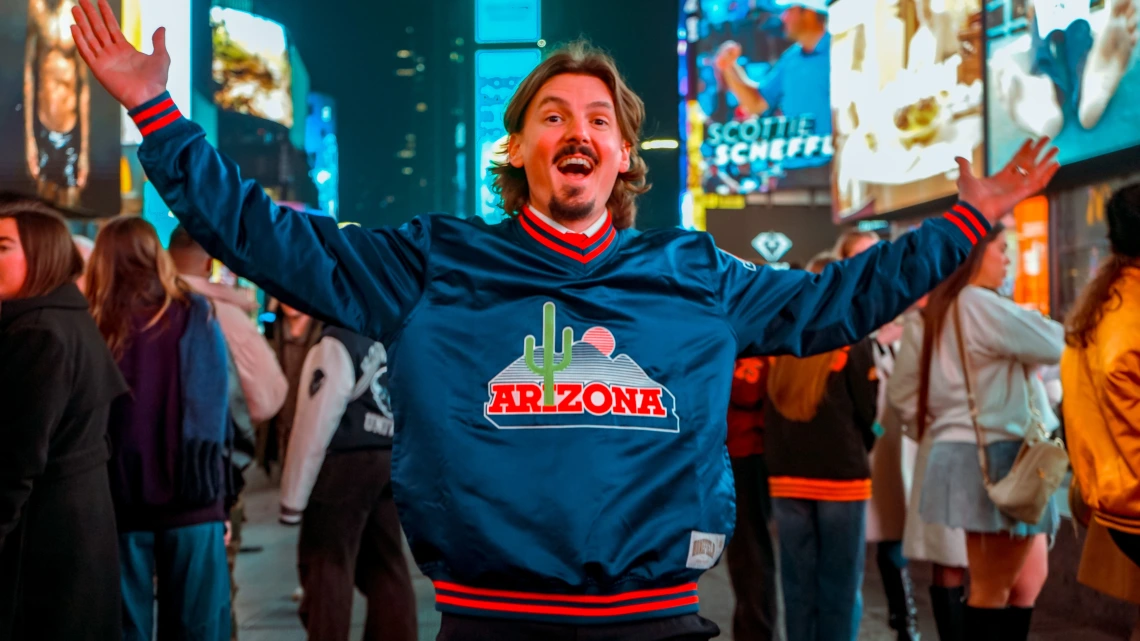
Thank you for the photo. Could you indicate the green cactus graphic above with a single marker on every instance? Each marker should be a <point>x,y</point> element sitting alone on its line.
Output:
<point>548,365</point>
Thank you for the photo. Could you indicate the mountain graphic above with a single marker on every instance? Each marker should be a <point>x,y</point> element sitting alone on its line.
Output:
<point>587,366</point>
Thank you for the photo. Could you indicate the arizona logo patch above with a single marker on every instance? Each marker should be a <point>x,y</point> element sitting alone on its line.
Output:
<point>582,385</point>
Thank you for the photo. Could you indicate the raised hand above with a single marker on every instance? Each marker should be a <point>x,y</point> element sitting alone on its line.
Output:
<point>727,55</point>
<point>129,76</point>
<point>1030,170</point>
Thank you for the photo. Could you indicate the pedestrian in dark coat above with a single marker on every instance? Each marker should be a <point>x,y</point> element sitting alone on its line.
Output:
<point>59,561</point>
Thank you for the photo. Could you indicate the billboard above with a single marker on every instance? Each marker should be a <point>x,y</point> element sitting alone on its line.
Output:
<point>251,65</point>
<point>755,112</point>
<point>1062,69</point>
<point>907,95</point>
<point>140,19</point>
<point>59,130</point>
<point>505,21</point>
<point>498,73</point>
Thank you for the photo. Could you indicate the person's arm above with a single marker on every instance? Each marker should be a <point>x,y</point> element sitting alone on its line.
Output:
<point>84,164</point>
<point>326,384</point>
<point>1122,392</point>
<point>797,312</point>
<point>902,386</point>
<point>753,98</point>
<point>863,385</point>
<point>35,382</point>
<point>262,381</point>
<point>30,148</point>
<point>1000,328</point>
<point>366,281</point>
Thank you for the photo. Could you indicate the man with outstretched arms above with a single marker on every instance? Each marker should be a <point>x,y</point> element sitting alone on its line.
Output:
<point>560,380</point>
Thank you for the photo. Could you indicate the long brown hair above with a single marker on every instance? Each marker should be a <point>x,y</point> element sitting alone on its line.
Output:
<point>796,385</point>
<point>53,260</point>
<point>130,273</point>
<point>1123,216</point>
<point>578,57</point>
<point>936,310</point>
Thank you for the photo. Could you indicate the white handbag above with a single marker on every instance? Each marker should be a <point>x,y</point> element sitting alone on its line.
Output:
<point>1040,466</point>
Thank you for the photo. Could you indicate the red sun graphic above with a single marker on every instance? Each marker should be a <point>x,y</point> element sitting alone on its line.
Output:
<point>600,338</point>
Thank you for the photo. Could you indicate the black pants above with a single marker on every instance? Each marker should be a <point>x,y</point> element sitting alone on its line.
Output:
<point>1129,544</point>
<point>350,535</point>
<point>751,555</point>
<point>690,627</point>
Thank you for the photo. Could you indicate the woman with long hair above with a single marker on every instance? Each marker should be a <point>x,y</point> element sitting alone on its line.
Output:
<point>168,436</point>
<point>1003,344</point>
<point>818,429</point>
<point>1100,372</point>
<point>59,568</point>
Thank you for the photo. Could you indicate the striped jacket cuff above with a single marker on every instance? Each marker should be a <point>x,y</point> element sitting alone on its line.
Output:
<point>155,114</point>
<point>969,221</point>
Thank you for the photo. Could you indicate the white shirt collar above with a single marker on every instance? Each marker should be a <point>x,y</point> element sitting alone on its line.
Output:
<point>590,231</point>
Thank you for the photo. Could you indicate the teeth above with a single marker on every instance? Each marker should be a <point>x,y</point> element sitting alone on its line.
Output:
<point>574,161</point>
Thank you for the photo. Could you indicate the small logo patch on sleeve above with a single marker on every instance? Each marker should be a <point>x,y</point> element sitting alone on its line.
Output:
<point>704,550</point>
<point>315,384</point>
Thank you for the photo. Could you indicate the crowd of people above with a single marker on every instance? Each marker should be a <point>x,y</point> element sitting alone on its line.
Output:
<point>584,505</point>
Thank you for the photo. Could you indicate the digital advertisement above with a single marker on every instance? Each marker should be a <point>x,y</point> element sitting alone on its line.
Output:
<point>755,110</point>
<point>251,65</point>
<point>906,89</point>
<point>1065,70</point>
<point>59,130</point>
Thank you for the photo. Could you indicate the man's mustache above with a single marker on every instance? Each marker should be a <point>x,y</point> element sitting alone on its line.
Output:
<point>576,150</point>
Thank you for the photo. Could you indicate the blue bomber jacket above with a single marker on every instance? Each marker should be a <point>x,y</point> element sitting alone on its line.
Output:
<point>559,399</point>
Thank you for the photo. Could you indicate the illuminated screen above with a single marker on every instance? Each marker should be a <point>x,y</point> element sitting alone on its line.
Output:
<point>251,65</point>
<point>140,19</point>
<point>59,130</point>
<point>1063,69</point>
<point>498,73</point>
<point>758,122</point>
<point>906,88</point>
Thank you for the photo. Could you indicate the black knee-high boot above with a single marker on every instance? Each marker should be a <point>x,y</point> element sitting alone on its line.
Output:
<point>949,612</point>
<point>900,598</point>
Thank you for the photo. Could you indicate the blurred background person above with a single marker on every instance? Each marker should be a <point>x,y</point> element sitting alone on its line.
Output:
<point>167,436</point>
<point>337,482</point>
<point>751,554</point>
<point>892,460</point>
<point>1100,372</point>
<point>85,245</point>
<point>1004,344</point>
<point>291,336</point>
<point>59,561</point>
<point>819,423</point>
<point>260,383</point>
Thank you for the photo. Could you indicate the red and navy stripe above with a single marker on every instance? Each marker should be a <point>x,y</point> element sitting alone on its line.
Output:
<point>562,608</point>
<point>969,221</point>
<point>580,247</point>
<point>155,114</point>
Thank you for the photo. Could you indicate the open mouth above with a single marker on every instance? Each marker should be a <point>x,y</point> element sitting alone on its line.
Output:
<point>575,166</point>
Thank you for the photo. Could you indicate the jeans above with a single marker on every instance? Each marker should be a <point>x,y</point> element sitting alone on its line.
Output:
<point>193,583</point>
<point>822,549</point>
<point>751,555</point>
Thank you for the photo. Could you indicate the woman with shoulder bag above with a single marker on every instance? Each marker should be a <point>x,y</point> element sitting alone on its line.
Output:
<point>1100,372</point>
<point>59,567</point>
<point>986,408</point>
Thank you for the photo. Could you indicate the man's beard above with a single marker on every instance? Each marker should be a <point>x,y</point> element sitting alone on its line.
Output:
<point>562,210</point>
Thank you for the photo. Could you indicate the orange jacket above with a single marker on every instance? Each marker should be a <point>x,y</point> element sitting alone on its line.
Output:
<point>1102,415</point>
<point>746,408</point>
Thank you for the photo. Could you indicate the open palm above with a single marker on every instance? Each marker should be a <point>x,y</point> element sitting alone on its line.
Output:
<point>1027,174</point>
<point>131,77</point>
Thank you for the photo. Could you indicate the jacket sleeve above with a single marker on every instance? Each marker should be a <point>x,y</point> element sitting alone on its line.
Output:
<point>1000,328</point>
<point>364,280</point>
<point>796,312</point>
<point>326,384</point>
<point>35,385</point>
<point>863,385</point>
<point>262,381</point>
<point>1122,388</point>
<point>902,386</point>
